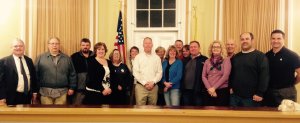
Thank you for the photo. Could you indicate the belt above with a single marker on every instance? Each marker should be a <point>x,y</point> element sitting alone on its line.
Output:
<point>93,90</point>
<point>23,93</point>
<point>142,84</point>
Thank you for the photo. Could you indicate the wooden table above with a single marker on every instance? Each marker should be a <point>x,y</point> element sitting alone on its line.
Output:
<point>105,113</point>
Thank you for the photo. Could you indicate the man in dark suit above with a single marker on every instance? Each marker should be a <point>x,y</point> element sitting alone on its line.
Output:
<point>17,77</point>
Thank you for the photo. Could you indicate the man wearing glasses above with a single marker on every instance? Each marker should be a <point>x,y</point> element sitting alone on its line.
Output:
<point>17,77</point>
<point>56,74</point>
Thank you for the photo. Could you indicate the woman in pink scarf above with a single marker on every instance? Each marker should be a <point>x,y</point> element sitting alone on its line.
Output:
<point>215,76</point>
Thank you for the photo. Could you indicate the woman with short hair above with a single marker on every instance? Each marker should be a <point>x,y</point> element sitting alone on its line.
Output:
<point>172,73</point>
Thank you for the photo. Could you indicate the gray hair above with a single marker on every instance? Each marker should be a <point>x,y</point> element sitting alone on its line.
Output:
<point>17,40</point>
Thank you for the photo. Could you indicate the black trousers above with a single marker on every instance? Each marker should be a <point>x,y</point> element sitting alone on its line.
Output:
<point>222,99</point>
<point>20,98</point>
<point>120,98</point>
<point>190,98</point>
<point>95,98</point>
<point>160,95</point>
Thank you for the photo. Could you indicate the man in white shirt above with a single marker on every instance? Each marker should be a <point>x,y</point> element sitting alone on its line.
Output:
<point>147,70</point>
<point>17,77</point>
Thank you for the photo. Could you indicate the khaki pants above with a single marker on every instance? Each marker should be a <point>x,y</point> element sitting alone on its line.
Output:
<point>62,100</point>
<point>143,96</point>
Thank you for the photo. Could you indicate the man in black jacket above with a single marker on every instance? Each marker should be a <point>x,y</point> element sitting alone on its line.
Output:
<point>79,60</point>
<point>192,85</point>
<point>17,77</point>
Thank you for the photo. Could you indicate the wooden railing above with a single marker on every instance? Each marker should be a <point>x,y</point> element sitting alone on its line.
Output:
<point>105,113</point>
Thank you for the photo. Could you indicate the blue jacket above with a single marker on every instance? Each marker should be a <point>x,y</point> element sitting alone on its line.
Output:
<point>175,73</point>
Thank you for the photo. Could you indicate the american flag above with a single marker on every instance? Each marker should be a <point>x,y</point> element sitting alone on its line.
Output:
<point>119,44</point>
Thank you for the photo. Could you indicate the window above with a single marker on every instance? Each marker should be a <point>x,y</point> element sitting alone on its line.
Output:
<point>155,13</point>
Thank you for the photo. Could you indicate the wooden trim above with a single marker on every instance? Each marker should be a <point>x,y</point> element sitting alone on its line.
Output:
<point>218,20</point>
<point>187,22</point>
<point>286,22</point>
<point>21,114</point>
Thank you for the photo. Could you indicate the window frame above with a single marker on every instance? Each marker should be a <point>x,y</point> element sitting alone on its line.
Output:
<point>162,20</point>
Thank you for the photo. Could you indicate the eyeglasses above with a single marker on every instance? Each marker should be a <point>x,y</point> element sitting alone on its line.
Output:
<point>16,46</point>
<point>53,43</point>
<point>216,47</point>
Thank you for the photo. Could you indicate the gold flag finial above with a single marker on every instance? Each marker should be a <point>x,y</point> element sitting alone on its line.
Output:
<point>120,5</point>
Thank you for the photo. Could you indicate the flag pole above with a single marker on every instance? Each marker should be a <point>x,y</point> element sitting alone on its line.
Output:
<point>124,28</point>
<point>120,5</point>
<point>124,37</point>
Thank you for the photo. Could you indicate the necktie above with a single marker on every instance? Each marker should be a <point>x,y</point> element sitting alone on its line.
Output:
<point>24,77</point>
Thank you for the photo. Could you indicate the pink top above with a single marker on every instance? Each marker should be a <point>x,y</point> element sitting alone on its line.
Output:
<point>216,78</point>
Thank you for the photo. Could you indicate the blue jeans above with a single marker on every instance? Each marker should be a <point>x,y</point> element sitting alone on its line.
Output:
<point>172,97</point>
<point>237,101</point>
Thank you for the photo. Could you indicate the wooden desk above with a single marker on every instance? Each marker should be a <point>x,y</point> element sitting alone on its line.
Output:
<point>39,113</point>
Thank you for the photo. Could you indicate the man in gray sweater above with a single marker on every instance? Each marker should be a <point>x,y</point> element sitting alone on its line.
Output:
<point>56,74</point>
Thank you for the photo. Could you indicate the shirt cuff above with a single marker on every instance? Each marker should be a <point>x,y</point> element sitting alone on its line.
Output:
<point>154,82</point>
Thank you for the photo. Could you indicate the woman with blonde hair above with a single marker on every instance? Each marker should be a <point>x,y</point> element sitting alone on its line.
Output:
<point>215,76</point>
<point>160,51</point>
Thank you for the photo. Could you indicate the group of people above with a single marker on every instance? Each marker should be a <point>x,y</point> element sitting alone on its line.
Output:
<point>178,76</point>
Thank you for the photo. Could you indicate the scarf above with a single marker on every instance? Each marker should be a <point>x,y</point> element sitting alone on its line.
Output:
<point>216,62</point>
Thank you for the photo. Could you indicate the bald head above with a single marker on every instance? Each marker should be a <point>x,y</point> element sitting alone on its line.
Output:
<point>230,47</point>
<point>147,44</point>
<point>17,40</point>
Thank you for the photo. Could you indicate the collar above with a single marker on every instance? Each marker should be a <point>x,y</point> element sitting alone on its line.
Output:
<point>90,53</point>
<point>196,56</point>
<point>249,51</point>
<point>17,57</point>
<point>49,54</point>
<point>280,51</point>
<point>146,54</point>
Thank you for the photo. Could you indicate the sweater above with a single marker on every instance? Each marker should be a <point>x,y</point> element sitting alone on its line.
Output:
<point>216,78</point>
<point>249,74</point>
<point>175,73</point>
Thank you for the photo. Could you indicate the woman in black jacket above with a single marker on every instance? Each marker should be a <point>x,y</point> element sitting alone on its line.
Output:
<point>99,88</point>
<point>121,76</point>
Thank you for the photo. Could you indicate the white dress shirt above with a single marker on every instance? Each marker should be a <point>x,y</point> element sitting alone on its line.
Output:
<point>20,87</point>
<point>147,67</point>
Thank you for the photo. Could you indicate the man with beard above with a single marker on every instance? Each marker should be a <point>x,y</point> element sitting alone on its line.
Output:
<point>80,64</point>
<point>250,74</point>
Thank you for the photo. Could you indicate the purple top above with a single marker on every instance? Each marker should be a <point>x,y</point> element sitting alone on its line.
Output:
<point>216,78</point>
